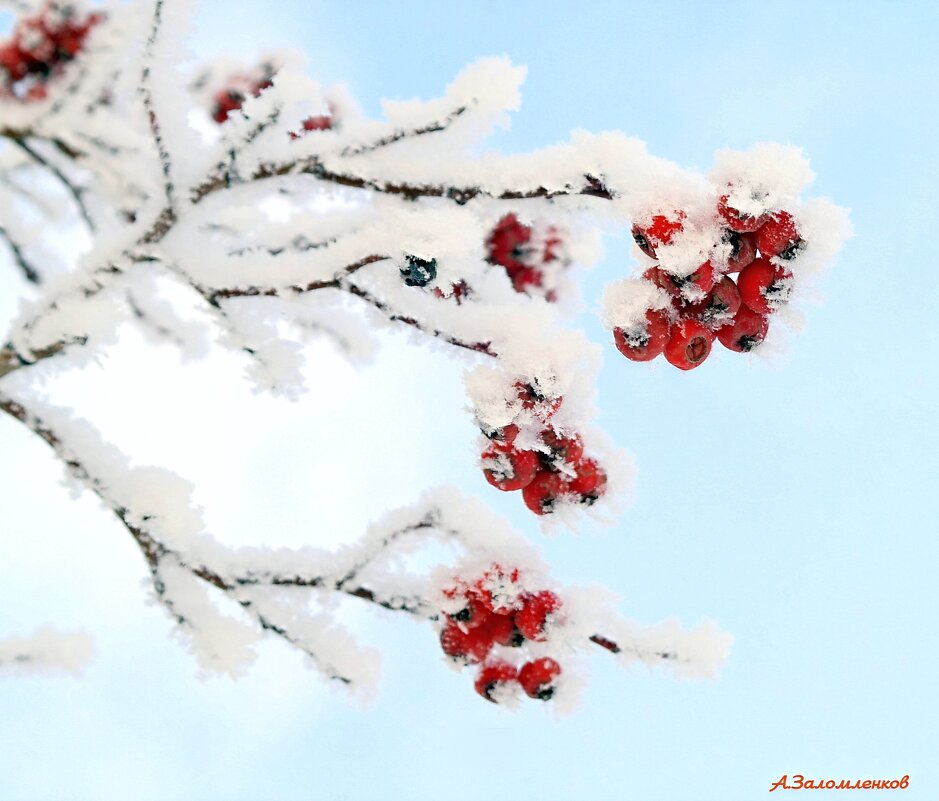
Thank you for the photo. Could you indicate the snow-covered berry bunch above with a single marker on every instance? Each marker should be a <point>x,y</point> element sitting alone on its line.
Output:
<point>239,87</point>
<point>532,255</point>
<point>750,227</point>
<point>495,621</point>
<point>554,469</point>
<point>40,47</point>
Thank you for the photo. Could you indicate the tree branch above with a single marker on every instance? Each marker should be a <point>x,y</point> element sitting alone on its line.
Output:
<point>30,273</point>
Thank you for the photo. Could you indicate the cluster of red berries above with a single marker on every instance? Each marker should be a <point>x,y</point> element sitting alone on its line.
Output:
<point>545,477</point>
<point>40,47</point>
<point>493,611</point>
<point>708,303</point>
<point>511,245</point>
<point>240,87</point>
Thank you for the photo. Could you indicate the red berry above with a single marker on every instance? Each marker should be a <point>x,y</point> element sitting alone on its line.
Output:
<point>590,482</point>
<point>741,223</point>
<point>746,331</point>
<point>743,250</point>
<point>534,400</point>
<point>525,277</point>
<point>779,237</point>
<point>508,469</point>
<point>505,435</point>
<point>536,678</point>
<point>492,677</point>
<point>644,344</point>
<point>503,631</point>
<point>506,243</point>
<point>658,231</point>
<point>227,101</point>
<point>702,279</point>
<point>720,305</point>
<point>323,122</point>
<point>764,286</point>
<point>531,618</point>
<point>471,616</point>
<point>541,495</point>
<point>563,449</point>
<point>552,242</point>
<point>689,345</point>
<point>471,646</point>
<point>663,280</point>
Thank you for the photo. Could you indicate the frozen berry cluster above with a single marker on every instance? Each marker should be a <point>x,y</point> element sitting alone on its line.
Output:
<point>239,87</point>
<point>494,611</point>
<point>708,304</point>
<point>553,471</point>
<point>529,255</point>
<point>40,47</point>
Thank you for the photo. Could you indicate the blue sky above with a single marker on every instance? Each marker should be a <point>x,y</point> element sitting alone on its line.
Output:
<point>791,501</point>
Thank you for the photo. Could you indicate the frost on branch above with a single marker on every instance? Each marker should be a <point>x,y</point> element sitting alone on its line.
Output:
<point>243,206</point>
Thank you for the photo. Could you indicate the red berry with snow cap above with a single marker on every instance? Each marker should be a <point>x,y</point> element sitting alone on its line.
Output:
<point>507,243</point>
<point>508,469</point>
<point>534,400</point>
<point>472,616</point>
<point>563,449</point>
<point>493,677</point>
<point>689,345</point>
<point>658,231</point>
<point>742,252</point>
<point>736,221</point>
<point>780,237</point>
<point>720,306</point>
<point>470,647</point>
<point>590,481</point>
<point>531,618</point>
<point>764,286</point>
<point>746,331</point>
<point>645,343</point>
<point>537,678</point>
<point>544,491</point>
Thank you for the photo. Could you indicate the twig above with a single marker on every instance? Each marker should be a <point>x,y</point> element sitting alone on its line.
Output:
<point>30,273</point>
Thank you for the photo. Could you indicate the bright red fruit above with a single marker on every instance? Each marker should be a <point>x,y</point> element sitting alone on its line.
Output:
<point>741,223</point>
<point>663,280</point>
<point>503,631</point>
<point>530,619</point>
<point>541,495</point>
<point>642,345</point>
<point>525,277</point>
<point>493,676</point>
<point>469,646</point>
<point>590,482</point>
<point>471,616</point>
<point>507,242</point>
<point>508,469</point>
<point>227,101</point>
<point>703,278</point>
<point>764,286</point>
<point>537,678</point>
<point>747,330</point>
<point>689,345</point>
<point>780,237</point>
<point>743,250</point>
<point>720,305</point>
<point>532,399</point>
<point>564,449</point>
<point>506,434</point>
<point>658,231</point>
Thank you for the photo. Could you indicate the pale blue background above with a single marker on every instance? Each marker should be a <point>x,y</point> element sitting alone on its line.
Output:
<point>794,502</point>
